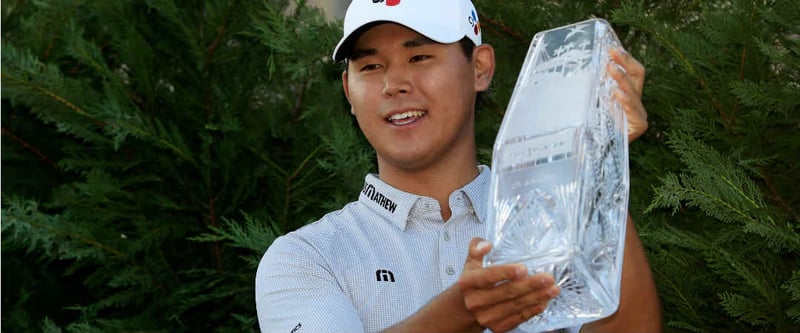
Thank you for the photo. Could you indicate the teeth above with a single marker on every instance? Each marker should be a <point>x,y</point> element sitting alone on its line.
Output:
<point>405,115</point>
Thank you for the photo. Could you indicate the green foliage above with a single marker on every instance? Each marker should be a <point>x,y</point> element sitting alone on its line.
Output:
<point>153,150</point>
<point>724,82</point>
<point>169,146</point>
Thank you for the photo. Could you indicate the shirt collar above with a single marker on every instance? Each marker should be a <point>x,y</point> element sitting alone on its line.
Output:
<point>395,205</point>
<point>477,191</point>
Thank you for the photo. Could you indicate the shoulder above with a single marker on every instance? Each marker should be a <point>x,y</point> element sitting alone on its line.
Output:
<point>327,247</point>
<point>335,224</point>
<point>326,235</point>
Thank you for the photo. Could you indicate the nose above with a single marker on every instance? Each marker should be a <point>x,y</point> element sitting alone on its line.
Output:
<point>396,82</point>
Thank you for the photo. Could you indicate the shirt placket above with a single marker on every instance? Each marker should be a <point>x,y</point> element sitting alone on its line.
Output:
<point>451,262</point>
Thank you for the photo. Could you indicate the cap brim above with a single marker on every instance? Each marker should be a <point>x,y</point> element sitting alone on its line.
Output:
<point>345,46</point>
<point>442,21</point>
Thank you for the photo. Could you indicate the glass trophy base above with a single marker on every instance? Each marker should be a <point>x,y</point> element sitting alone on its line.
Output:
<point>560,179</point>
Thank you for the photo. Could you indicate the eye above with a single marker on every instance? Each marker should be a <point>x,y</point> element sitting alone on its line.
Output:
<point>369,67</point>
<point>419,57</point>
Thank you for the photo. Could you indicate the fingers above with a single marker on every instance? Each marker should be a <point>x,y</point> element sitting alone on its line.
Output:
<point>503,296</point>
<point>509,304</point>
<point>635,113</point>
<point>476,276</point>
<point>629,75</point>
<point>522,315</point>
<point>532,288</point>
<point>478,247</point>
<point>633,68</point>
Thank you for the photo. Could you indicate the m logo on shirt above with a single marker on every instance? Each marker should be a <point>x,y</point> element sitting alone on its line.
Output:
<point>384,275</point>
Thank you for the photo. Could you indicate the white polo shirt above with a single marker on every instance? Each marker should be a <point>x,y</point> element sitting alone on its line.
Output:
<point>371,264</point>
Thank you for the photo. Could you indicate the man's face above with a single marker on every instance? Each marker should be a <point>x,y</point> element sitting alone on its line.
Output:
<point>414,98</point>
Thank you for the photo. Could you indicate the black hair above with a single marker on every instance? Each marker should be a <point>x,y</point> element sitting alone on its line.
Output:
<point>467,45</point>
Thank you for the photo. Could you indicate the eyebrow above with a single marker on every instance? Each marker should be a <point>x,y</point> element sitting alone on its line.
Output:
<point>419,41</point>
<point>416,42</point>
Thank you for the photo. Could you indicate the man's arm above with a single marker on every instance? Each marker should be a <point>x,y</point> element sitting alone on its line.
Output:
<point>444,313</point>
<point>295,292</point>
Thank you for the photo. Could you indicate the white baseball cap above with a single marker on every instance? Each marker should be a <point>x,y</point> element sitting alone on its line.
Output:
<point>443,21</point>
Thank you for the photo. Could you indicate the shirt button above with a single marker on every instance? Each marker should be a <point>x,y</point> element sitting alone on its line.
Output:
<point>450,270</point>
<point>446,236</point>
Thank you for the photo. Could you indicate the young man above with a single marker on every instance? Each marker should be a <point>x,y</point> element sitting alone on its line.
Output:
<point>406,257</point>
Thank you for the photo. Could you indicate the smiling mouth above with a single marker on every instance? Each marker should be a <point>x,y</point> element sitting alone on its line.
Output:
<point>407,117</point>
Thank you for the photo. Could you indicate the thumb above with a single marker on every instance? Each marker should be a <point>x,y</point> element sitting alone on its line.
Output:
<point>478,247</point>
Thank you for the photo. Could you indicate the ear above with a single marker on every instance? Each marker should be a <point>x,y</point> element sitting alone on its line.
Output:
<point>346,89</point>
<point>483,62</point>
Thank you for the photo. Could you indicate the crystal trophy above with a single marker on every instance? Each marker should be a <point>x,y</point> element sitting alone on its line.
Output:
<point>559,185</point>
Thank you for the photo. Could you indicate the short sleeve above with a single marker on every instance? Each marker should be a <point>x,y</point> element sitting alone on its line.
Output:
<point>296,291</point>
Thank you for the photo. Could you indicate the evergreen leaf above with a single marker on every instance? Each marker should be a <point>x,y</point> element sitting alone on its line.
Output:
<point>712,183</point>
<point>740,307</point>
<point>249,234</point>
<point>48,326</point>
<point>683,326</point>
<point>24,225</point>
<point>792,287</point>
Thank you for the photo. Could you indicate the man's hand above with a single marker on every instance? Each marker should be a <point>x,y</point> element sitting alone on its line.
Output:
<point>630,80</point>
<point>504,296</point>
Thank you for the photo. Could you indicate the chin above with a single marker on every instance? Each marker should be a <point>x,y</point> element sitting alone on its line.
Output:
<point>406,161</point>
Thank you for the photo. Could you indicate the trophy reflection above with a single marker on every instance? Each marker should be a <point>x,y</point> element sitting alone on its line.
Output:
<point>559,186</point>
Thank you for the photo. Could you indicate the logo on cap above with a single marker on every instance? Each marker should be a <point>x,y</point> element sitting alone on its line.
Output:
<point>473,21</point>
<point>388,2</point>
